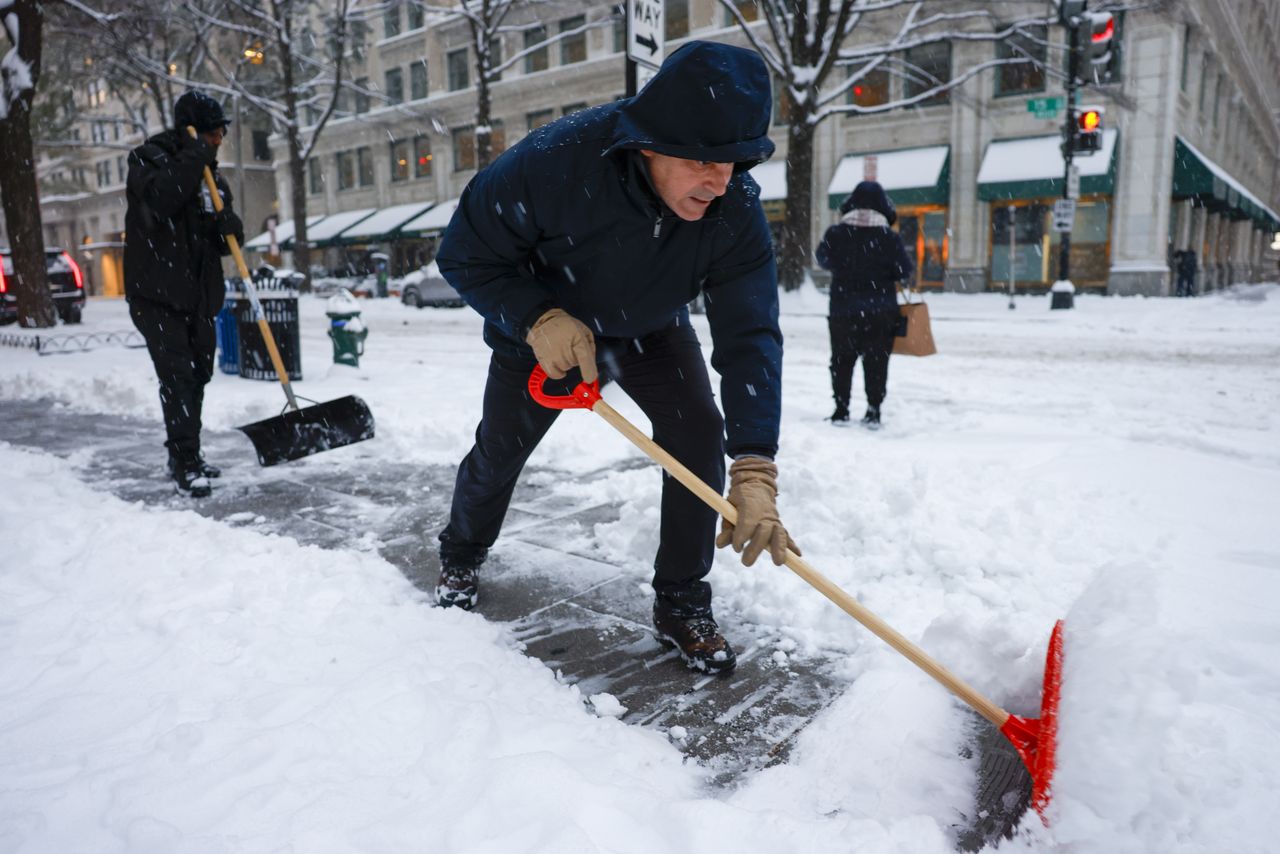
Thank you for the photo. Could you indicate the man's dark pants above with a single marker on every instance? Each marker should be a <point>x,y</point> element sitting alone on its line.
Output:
<point>182,349</point>
<point>869,336</point>
<point>664,373</point>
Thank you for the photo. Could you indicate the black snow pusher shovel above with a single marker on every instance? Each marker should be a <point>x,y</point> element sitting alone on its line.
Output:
<point>296,432</point>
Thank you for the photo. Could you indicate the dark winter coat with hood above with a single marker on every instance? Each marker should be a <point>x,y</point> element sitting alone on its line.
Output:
<point>568,218</point>
<point>173,251</point>
<point>866,261</point>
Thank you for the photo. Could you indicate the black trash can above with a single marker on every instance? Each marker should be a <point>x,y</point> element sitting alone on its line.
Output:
<point>281,310</point>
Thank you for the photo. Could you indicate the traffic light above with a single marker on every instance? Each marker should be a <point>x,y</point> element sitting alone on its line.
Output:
<point>1094,34</point>
<point>1088,137</point>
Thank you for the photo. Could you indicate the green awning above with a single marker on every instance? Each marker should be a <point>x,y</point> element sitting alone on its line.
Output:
<point>1033,168</point>
<point>1197,177</point>
<point>911,176</point>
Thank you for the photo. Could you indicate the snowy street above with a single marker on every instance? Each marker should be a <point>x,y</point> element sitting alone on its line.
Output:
<point>179,681</point>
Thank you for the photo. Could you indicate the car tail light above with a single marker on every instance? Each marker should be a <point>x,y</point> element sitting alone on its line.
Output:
<point>75,270</point>
<point>4,286</point>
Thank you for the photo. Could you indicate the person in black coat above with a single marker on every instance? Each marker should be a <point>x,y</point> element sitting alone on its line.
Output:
<point>174,243</point>
<point>582,246</point>
<point>867,260</point>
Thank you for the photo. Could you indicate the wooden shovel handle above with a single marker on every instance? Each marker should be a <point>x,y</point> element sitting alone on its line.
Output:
<point>796,564</point>
<point>263,327</point>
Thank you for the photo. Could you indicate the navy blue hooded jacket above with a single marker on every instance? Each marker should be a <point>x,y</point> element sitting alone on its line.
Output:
<point>865,262</point>
<point>568,218</point>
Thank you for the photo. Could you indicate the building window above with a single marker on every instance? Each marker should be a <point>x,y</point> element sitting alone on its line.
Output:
<point>538,118</point>
<point>261,145</point>
<point>1204,79</point>
<point>364,157</point>
<point>748,9</point>
<point>676,15</point>
<point>400,160</point>
<point>418,80</point>
<point>536,60</point>
<point>459,72</point>
<point>395,86</point>
<point>417,18</point>
<point>573,48</point>
<point>619,30</point>
<point>781,105</point>
<point>421,156</point>
<point>391,21</point>
<point>1030,46</point>
<point>362,95</point>
<point>315,177</point>
<point>495,60</point>
<point>121,170</point>
<point>346,162</point>
<point>464,148</point>
<point>497,137</point>
<point>928,66</point>
<point>871,89</point>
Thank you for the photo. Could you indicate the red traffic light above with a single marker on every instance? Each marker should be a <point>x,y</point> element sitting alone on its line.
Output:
<point>1090,120</point>
<point>1104,33</point>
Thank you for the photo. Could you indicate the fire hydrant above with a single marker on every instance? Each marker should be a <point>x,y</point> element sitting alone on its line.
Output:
<point>346,328</point>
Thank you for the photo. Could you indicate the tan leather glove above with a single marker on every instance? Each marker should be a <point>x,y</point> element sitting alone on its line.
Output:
<point>560,343</point>
<point>753,492</point>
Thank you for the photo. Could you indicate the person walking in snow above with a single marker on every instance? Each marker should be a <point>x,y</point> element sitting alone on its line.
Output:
<point>174,243</point>
<point>866,259</point>
<point>582,246</point>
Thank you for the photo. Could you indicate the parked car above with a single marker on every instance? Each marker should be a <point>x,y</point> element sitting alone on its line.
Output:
<point>425,288</point>
<point>66,282</point>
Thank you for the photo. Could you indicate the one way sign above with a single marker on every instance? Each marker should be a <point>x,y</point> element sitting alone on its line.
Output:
<point>646,34</point>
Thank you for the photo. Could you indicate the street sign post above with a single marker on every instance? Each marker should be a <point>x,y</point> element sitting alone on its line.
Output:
<point>1064,214</point>
<point>1073,182</point>
<point>646,41</point>
<point>1044,108</point>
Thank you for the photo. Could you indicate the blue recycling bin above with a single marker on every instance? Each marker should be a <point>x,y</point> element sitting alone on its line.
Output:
<point>228,338</point>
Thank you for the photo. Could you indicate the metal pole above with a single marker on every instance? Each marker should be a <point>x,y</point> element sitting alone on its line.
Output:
<point>1012,249</point>
<point>1069,145</point>
<point>235,106</point>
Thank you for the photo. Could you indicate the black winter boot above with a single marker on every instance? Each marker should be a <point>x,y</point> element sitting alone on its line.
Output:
<point>459,584</point>
<point>186,474</point>
<point>872,419</point>
<point>841,415</point>
<point>207,469</point>
<point>697,638</point>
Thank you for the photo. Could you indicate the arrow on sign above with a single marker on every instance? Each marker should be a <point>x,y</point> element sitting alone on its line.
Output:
<point>649,43</point>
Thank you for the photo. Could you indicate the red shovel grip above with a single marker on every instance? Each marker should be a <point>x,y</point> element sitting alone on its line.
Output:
<point>584,396</point>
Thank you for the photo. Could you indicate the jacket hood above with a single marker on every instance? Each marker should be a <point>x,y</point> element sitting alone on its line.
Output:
<point>709,101</point>
<point>870,195</point>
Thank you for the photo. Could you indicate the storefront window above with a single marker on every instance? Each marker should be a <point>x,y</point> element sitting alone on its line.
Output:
<point>924,234</point>
<point>927,67</point>
<point>1028,250</point>
<point>1090,261</point>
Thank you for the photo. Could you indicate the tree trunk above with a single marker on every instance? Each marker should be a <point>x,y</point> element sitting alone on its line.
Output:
<point>484,131</point>
<point>298,196</point>
<point>794,253</point>
<point>18,190</point>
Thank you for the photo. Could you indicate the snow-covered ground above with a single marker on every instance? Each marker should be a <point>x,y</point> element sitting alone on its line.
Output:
<point>172,684</point>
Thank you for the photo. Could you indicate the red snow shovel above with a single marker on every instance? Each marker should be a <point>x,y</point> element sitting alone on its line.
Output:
<point>1033,738</point>
<point>297,432</point>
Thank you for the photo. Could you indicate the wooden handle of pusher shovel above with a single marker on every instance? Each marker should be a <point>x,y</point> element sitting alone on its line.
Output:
<point>796,564</point>
<point>276,361</point>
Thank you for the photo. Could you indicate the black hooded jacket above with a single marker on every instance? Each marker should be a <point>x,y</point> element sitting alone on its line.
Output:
<point>172,252</point>
<point>567,218</point>
<point>866,261</point>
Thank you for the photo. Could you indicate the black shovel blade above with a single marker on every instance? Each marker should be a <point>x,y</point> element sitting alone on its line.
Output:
<point>302,432</point>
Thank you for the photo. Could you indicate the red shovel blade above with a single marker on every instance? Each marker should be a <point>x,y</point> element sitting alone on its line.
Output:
<point>1036,739</point>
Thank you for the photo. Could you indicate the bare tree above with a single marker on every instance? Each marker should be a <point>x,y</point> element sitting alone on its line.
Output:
<point>488,22</point>
<point>19,74</point>
<point>818,49</point>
